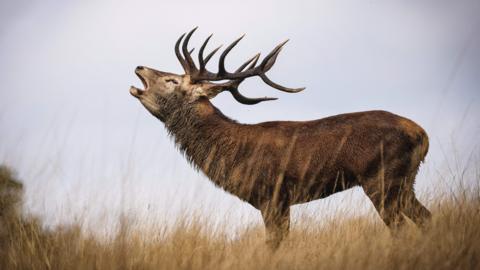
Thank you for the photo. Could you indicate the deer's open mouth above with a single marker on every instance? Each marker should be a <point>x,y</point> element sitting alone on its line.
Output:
<point>136,92</point>
<point>144,81</point>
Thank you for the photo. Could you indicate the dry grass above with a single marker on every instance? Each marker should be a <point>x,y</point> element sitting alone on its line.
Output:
<point>451,241</point>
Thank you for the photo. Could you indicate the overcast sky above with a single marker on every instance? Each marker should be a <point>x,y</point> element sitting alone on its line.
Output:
<point>79,140</point>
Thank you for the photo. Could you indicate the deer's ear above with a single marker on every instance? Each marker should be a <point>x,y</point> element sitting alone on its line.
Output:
<point>198,92</point>
<point>212,91</point>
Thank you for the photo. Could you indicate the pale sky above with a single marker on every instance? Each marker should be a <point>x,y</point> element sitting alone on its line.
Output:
<point>78,139</point>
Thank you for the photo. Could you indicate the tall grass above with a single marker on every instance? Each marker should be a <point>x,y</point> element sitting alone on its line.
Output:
<point>450,241</point>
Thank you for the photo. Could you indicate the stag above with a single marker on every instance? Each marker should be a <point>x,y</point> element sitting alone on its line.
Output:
<point>274,165</point>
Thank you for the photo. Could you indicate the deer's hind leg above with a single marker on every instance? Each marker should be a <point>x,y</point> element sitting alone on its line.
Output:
<point>412,208</point>
<point>391,187</point>
<point>386,200</point>
<point>395,198</point>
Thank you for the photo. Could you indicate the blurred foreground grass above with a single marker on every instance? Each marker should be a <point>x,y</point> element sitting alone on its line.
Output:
<point>450,241</point>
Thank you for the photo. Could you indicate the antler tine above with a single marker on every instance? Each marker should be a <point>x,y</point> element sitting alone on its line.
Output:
<point>280,87</point>
<point>233,85</point>
<point>254,63</point>
<point>188,58</point>
<point>179,55</point>
<point>221,61</point>
<point>246,100</point>
<point>252,60</point>
<point>265,66</point>
<point>269,60</point>
<point>203,73</point>
<point>201,61</point>
<point>211,54</point>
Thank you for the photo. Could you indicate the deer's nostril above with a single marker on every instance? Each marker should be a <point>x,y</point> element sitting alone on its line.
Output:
<point>139,68</point>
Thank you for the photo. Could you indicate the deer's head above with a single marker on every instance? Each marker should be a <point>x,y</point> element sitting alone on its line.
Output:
<point>199,82</point>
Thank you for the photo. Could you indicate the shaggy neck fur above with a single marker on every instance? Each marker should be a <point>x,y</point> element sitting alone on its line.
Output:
<point>204,135</point>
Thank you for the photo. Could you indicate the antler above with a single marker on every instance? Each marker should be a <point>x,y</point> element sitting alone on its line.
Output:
<point>202,74</point>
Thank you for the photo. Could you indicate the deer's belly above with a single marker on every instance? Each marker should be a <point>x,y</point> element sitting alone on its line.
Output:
<point>321,187</point>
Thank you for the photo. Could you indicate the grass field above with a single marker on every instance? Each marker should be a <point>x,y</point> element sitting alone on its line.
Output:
<point>450,241</point>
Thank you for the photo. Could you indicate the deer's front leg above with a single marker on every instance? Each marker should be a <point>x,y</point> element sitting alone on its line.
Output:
<point>277,224</point>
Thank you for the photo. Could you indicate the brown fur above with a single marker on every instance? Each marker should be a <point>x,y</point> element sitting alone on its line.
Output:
<point>273,165</point>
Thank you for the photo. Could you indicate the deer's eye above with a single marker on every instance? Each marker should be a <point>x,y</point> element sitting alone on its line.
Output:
<point>171,81</point>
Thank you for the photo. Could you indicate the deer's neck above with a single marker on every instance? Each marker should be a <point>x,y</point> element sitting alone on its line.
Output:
<point>208,138</point>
